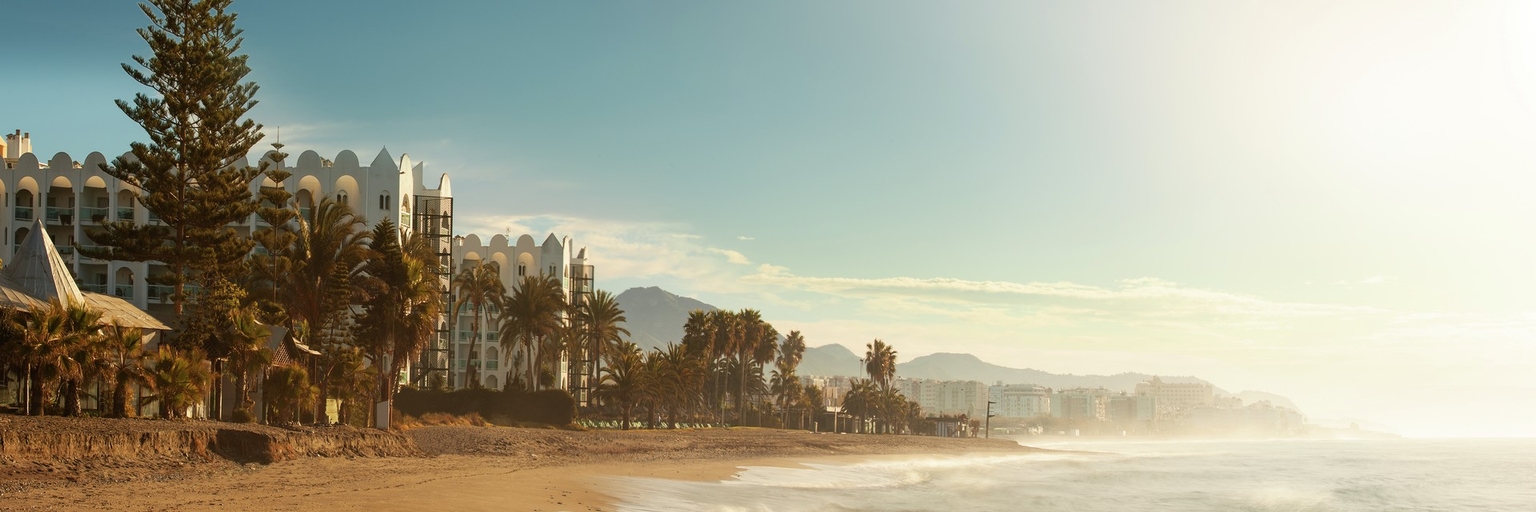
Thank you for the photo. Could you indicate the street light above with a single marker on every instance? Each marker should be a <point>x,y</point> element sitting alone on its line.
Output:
<point>989,418</point>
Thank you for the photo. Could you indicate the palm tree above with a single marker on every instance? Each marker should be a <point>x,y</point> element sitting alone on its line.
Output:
<point>727,333</point>
<point>814,401</point>
<point>624,379</point>
<point>127,365</point>
<point>179,380</point>
<point>880,362</point>
<point>42,350</point>
<point>746,347</point>
<point>786,388</point>
<point>248,355</point>
<point>476,286</point>
<point>532,314</point>
<point>81,328</point>
<point>325,259</point>
<point>860,400</point>
<point>287,391</point>
<point>679,379</point>
<point>402,298</point>
<point>698,334</point>
<point>603,321</point>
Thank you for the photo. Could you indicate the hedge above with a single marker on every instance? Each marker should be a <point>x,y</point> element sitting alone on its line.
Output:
<point>550,407</point>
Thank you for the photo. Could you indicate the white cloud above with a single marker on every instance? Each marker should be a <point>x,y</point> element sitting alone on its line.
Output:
<point>745,238</point>
<point>731,256</point>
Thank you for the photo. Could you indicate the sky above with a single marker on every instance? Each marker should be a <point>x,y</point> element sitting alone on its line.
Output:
<point>1325,200</point>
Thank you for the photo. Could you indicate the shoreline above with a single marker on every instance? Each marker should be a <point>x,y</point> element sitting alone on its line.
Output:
<point>469,468</point>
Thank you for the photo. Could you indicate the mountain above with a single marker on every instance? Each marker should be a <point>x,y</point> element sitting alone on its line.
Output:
<point>656,316</point>
<point>829,360</point>
<point>945,366</point>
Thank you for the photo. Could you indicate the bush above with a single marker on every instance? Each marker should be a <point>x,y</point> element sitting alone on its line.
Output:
<point>550,407</point>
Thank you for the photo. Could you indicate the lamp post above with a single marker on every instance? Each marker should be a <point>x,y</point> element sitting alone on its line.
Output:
<point>989,419</point>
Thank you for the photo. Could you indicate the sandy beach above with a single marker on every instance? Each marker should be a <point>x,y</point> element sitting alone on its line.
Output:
<point>462,468</point>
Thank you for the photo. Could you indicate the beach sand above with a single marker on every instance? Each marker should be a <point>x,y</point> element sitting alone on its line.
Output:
<point>468,468</point>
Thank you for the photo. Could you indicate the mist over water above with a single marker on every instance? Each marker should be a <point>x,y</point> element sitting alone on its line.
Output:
<point>1118,476</point>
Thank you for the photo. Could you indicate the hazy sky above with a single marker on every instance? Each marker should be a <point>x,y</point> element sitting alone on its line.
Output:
<point>1326,200</point>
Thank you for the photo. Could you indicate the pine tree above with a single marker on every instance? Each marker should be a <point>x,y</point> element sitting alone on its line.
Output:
<point>186,174</point>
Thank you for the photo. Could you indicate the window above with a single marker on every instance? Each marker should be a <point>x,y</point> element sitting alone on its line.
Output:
<point>522,270</point>
<point>341,197</point>
<point>384,201</point>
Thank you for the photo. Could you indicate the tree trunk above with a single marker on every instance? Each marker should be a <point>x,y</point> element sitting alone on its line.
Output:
<point>35,381</point>
<point>120,399</point>
<point>71,391</point>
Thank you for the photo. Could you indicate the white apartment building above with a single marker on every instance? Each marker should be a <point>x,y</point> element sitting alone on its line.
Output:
<point>1081,403</point>
<point>946,398</point>
<point>554,257</point>
<point>71,195</point>
<point>1173,396</point>
<point>1020,400</point>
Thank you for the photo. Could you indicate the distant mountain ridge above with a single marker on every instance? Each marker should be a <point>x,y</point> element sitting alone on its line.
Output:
<point>656,317</point>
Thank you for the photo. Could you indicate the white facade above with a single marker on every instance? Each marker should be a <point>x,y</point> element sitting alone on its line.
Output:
<point>1081,403</point>
<point>1020,400</point>
<point>70,196</point>
<point>1174,396</point>
<point>554,257</point>
<point>946,398</point>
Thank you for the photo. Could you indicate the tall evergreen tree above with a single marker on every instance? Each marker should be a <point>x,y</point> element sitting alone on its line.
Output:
<point>194,117</point>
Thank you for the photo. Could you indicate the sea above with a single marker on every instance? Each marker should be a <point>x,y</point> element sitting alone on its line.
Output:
<point>1122,475</point>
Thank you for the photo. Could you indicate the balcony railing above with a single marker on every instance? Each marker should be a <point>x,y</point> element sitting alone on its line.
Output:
<point>161,293</point>
<point>65,249</point>
<point>23,213</point>
<point>155,219</point>
<point>97,215</point>
<point>124,291</point>
<point>94,288</point>
<point>57,214</point>
<point>90,247</point>
<point>125,213</point>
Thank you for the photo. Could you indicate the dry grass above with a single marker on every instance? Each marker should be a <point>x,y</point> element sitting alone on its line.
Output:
<point>473,419</point>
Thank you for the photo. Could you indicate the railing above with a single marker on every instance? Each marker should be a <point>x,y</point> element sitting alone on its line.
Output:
<point>155,219</point>
<point>65,249</point>
<point>125,213</point>
<point>97,215</point>
<point>23,213</point>
<point>123,291</point>
<point>160,292</point>
<point>95,288</point>
<point>56,213</point>
<point>89,247</point>
<point>304,213</point>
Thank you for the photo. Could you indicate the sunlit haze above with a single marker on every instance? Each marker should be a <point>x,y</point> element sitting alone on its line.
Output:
<point>1328,201</point>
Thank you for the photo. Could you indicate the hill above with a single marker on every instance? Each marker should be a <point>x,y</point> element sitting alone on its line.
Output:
<point>656,316</point>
